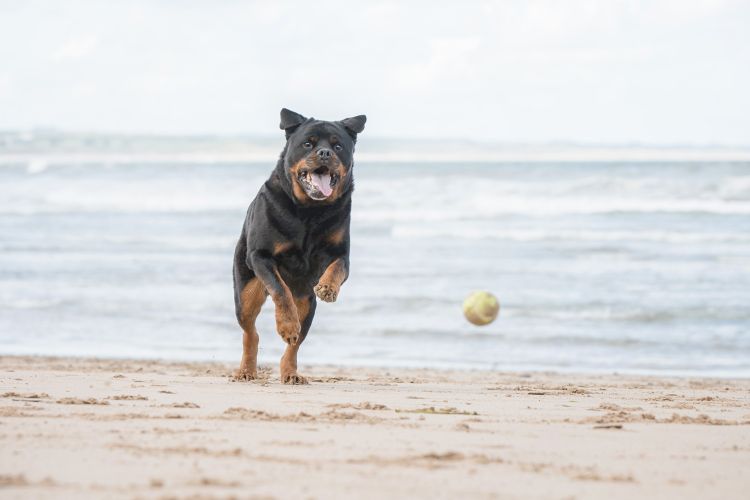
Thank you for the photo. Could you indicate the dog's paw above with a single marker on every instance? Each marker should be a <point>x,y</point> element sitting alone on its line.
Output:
<point>244,375</point>
<point>289,330</point>
<point>293,378</point>
<point>326,293</point>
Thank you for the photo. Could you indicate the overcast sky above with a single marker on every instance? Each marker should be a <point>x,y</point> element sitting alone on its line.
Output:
<point>659,71</point>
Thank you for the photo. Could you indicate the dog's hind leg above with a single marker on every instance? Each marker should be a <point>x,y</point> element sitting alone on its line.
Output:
<point>250,300</point>
<point>288,366</point>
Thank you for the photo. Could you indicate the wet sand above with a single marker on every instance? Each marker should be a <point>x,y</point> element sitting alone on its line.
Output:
<point>72,428</point>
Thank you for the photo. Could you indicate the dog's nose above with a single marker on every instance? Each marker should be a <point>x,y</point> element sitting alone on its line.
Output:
<point>324,154</point>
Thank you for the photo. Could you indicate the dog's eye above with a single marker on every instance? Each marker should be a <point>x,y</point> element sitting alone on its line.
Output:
<point>307,145</point>
<point>338,147</point>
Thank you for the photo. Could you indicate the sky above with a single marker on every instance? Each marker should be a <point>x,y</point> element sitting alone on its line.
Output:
<point>589,71</point>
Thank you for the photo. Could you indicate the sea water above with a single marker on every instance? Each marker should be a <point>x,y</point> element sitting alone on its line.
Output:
<point>599,267</point>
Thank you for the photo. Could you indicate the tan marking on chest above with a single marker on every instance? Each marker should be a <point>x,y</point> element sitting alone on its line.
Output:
<point>336,237</point>
<point>282,247</point>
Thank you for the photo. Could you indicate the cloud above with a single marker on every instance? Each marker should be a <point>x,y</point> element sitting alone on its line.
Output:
<point>449,59</point>
<point>5,85</point>
<point>533,70</point>
<point>75,48</point>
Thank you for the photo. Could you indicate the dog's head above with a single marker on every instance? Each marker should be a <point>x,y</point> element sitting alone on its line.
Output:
<point>318,157</point>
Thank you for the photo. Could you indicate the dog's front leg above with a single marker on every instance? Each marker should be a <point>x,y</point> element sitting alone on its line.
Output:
<point>334,276</point>
<point>287,318</point>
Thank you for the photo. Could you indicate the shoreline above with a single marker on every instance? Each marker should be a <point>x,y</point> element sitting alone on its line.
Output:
<point>120,428</point>
<point>229,366</point>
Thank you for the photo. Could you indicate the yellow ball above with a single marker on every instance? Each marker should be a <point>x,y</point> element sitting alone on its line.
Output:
<point>481,308</point>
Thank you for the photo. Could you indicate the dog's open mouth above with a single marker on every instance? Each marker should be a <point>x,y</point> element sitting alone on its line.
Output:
<point>318,183</point>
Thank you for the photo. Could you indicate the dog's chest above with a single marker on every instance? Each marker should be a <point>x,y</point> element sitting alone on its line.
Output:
<point>303,255</point>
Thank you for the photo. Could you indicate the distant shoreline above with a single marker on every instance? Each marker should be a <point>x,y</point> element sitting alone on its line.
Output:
<point>54,146</point>
<point>270,156</point>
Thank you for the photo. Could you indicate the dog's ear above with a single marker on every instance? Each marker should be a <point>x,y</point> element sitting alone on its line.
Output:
<point>290,121</point>
<point>354,125</point>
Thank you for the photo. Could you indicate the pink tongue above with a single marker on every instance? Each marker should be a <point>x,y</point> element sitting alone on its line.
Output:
<point>322,182</point>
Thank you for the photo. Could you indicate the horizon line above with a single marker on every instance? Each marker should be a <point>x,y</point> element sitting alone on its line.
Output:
<point>39,132</point>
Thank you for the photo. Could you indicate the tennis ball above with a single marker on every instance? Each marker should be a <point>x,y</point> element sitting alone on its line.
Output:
<point>481,308</point>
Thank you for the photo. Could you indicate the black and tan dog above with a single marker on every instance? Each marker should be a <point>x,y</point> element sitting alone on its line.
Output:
<point>295,241</point>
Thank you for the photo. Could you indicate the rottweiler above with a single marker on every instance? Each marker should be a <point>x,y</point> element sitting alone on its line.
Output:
<point>294,243</point>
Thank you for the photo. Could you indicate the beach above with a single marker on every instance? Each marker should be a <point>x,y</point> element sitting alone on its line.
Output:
<point>178,213</point>
<point>73,427</point>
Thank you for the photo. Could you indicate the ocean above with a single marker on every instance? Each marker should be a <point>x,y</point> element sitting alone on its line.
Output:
<point>628,267</point>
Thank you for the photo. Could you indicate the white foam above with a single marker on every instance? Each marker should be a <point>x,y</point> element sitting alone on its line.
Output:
<point>476,232</point>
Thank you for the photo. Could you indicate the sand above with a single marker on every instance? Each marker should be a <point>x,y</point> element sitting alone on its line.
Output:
<point>72,428</point>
